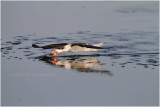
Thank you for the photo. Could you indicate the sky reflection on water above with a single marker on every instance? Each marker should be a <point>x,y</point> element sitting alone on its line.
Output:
<point>131,80</point>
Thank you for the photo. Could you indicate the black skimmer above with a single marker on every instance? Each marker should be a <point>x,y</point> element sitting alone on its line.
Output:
<point>72,47</point>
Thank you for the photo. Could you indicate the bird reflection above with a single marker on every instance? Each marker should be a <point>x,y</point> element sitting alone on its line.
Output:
<point>81,65</point>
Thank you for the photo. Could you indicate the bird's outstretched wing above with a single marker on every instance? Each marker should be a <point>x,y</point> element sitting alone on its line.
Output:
<point>49,46</point>
<point>86,45</point>
<point>73,44</point>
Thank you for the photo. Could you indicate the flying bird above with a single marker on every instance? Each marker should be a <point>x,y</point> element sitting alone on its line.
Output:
<point>71,47</point>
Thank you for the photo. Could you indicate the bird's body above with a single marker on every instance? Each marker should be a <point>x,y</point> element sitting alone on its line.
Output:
<point>77,47</point>
<point>73,47</point>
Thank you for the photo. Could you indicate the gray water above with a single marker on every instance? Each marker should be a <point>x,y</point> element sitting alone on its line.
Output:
<point>130,78</point>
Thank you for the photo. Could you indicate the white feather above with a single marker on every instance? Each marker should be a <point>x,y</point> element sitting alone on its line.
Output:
<point>98,45</point>
<point>67,47</point>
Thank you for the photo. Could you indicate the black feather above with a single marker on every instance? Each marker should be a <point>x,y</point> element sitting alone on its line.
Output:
<point>35,46</point>
<point>49,46</point>
<point>86,45</point>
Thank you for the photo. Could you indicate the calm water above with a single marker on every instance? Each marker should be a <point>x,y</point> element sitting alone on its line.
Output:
<point>127,75</point>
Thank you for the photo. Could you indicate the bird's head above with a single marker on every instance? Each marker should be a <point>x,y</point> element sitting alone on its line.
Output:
<point>58,50</point>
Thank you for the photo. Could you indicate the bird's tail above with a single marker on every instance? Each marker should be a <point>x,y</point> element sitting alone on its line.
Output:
<point>35,46</point>
<point>98,45</point>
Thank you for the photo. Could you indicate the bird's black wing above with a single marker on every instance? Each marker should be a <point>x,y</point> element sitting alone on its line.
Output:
<point>49,46</point>
<point>86,45</point>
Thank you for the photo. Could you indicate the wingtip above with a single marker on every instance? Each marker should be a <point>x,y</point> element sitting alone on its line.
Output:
<point>35,46</point>
<point>99,44</point>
